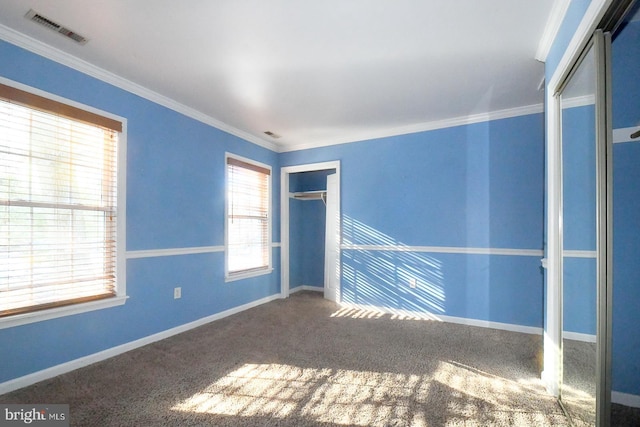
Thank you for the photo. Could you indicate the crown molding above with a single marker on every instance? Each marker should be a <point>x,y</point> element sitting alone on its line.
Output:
<point>40,48</point>
<point>423,127</point>
<point>556,16</point>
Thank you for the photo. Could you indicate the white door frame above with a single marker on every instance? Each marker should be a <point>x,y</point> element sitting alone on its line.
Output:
<point>284,215</point>
<point>332,241</point>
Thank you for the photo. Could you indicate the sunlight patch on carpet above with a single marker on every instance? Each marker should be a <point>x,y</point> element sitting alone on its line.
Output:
<point>362,398</point>
<point>355,311</point>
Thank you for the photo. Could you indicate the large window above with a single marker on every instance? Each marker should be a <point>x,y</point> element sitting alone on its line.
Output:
<point>248,218</point>
<point>58,204</point>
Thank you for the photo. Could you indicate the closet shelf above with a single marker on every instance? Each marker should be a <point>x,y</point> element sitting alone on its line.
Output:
<point>309,195</point>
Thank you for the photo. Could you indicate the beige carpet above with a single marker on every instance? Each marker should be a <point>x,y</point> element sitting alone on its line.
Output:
<point>306,362</point>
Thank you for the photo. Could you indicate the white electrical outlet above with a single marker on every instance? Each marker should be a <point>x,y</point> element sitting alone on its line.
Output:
<point>413,282</point>
<point>177,293</point>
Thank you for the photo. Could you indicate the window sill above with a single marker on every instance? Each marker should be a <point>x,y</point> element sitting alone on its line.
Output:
<point>254,273</point>
<point>68,310</point>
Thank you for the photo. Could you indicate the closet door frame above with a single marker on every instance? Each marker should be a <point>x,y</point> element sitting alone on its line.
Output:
<point>285,171</point>
<point>552,375</point>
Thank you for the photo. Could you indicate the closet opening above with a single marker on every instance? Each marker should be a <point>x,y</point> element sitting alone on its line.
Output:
<point>310,227</point>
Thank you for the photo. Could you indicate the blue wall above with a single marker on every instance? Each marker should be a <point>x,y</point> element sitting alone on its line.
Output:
<point>309,181</point>
<point>307,224</point>
<point>626,213</point>
<point>474,186</point>
<point>175,199</point>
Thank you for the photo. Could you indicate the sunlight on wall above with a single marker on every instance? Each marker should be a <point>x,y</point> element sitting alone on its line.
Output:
<point>377,271</point>
<point>454,393</point>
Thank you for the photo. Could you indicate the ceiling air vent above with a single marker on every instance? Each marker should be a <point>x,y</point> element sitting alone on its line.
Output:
<point>34,16</point>
<point>271,134</point>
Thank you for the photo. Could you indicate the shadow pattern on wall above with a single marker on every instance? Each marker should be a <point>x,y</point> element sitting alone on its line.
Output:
<point>380,272</point>
<point>385,273</point>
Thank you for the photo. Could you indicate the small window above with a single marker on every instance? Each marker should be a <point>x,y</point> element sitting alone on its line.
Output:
<point>248,218</point>
<point>58,204</point>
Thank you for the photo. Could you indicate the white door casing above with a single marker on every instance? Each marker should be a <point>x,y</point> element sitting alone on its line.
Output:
<point>332,241</point>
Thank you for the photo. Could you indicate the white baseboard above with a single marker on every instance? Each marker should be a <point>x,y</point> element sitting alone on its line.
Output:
<point>626,399</point>
<point>494,325</point>
<point>306,288</point>
<point>450,319</point>
<point>576,336</point>
<point>63,368</point>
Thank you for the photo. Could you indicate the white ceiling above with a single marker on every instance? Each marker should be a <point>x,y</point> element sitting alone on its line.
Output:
<point>316,73</point>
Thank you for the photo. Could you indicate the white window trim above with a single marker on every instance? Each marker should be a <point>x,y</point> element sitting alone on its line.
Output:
<point>121,238</point>
<point>66,310</point>
<point>250,273</point>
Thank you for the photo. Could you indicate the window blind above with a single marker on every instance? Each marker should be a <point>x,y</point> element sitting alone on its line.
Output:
<point>58,205</point>
<point>248,246</point>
